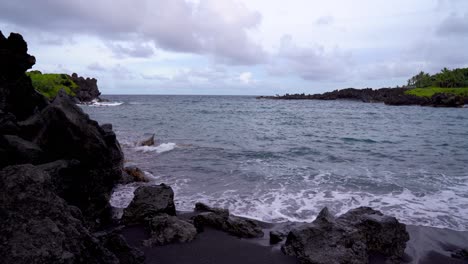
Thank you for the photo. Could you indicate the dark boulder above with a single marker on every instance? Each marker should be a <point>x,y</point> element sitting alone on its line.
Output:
<point>37,226</point>
<point>221,220</point>
<point>210,219</point>
<point>64,131</point>
<point>201,207</point>
<point>17,94</point>
<point>148,202</point>
<point>167,229</point>
<point>350,238</point>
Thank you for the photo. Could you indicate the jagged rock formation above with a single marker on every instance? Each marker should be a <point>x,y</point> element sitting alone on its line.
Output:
<point>49,211</point>
<point>17,96</point>
<point>88,89</point>
<point>349,238</point>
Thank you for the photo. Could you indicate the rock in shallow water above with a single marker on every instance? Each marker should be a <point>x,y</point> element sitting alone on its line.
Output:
<point>135,173</point>
<point>147,142</point>
<point>350,238</point>
<point>149,201</point>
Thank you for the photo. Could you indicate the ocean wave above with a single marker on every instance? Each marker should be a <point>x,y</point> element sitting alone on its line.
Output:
<point>164,147</point>
<point>97,103</point>
<point>364,140</point>
<point>443,209</point>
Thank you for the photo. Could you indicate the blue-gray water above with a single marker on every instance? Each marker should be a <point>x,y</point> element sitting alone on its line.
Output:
<point>278,160</point>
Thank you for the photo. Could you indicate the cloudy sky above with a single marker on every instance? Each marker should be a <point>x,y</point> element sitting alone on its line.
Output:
<point>241,46</point>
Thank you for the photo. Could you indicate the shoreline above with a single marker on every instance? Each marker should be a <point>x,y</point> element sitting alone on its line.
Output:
<point>427,245</point>
<point>388,96</point>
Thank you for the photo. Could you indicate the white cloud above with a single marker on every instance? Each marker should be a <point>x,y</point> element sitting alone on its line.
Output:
<point>213,28</point>
<point>245,77</point>
<point>324,20</point>
<point>225,43</point>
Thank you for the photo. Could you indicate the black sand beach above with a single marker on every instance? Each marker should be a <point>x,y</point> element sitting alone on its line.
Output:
<point>427,245</point>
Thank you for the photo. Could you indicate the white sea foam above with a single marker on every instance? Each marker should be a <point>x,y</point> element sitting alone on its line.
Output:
<point>122,195</point>
<point>97,103</point>
<point>151,177</point>
<point>164,147</point>
<point>444,209</point>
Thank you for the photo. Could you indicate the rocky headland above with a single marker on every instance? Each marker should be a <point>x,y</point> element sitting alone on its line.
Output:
<point>88,89</point>
<point>83,90</point>
<point>57,171</point>
<point>389,96</point>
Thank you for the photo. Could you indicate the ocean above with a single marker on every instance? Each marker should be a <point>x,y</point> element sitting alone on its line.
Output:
<point>279,160</point>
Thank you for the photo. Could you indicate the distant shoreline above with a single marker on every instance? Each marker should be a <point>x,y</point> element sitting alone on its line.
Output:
<point>388,96</point>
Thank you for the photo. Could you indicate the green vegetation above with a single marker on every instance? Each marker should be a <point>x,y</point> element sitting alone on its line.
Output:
<point>49,84</point>
<point>430,91</point>
<point>446,81</point>
<point>445,78</point>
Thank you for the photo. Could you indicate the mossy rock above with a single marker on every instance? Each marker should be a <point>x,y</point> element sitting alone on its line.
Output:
<point>49,84</point>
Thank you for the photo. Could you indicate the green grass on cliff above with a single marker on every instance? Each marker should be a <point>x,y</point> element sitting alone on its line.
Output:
<point>430,91</point>
<point>49,84</point>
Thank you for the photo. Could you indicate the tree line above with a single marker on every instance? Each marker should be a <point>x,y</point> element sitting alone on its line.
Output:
<point>445,78</point>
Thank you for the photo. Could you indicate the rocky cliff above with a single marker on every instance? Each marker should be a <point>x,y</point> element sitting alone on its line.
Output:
<point>57,171</point>
<point>88,89</point>
<point>49,84</point>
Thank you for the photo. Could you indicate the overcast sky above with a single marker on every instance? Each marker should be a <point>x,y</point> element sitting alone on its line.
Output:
<point>241,46</point>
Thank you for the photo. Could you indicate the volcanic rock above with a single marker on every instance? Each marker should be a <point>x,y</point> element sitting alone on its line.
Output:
<point>167,229</point>
<point>17,95</point>
<point>135,173</point>
<point>149,201</point>
<point>147,142</point>
<point>38,226</point>
<point>117,244</point>
<point>64,131</point>
<point>88,89</point>
<point>19,151</point>
<point>350,238</point>
<point>221,220</point>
